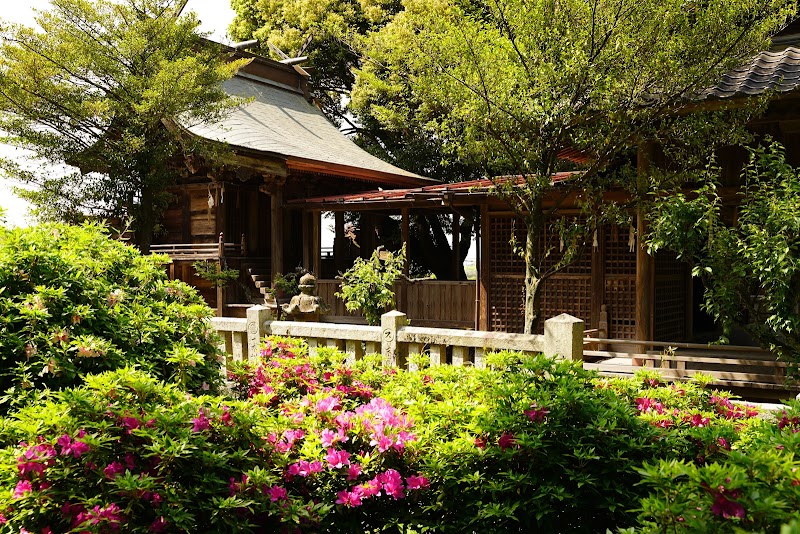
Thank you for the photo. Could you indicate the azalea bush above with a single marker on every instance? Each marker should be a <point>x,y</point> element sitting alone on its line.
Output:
<point>754,486</point>
<point>310,443</point>
<point>127,453</point>
<point>73,301</point>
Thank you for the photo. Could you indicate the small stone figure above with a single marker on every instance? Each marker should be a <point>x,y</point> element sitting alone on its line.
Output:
<point>306,306</point>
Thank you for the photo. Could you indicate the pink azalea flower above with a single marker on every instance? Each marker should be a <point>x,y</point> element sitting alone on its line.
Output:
<point>277,493</point>
<point>415,482</point>
<point>351,499</point>
<point>130,423</point>
<point>226,416</point>
<point>507,440</point>
<point>337,459</point>
<point>536,414</point>
<point>353,471</point>
<point>201,422</point>
<point>392,483</point>
<point>23,487</point>
<point>113,469</point>
<point>328,404</point>
<point>159,525</point>
<point>728,507</point>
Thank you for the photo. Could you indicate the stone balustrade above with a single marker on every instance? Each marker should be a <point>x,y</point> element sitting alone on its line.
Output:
<point>394,339</point>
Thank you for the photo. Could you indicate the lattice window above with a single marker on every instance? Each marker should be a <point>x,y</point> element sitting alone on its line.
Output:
<point>507,309</point>
<point>564,293</point>
<point>502,257</point>
<point>670,297</point>
<point>620,297</point>
<point>620,259</point>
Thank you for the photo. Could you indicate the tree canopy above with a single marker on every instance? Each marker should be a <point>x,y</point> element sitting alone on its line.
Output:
<point>92,90</point>
<point>510,84</point>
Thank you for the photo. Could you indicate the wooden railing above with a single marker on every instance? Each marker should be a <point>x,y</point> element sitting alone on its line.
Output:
<point>395,340</point>
<point>201,251</point>
<point>728,365</point>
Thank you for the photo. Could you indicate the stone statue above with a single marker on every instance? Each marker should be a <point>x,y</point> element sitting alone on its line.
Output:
<point>306,306</point>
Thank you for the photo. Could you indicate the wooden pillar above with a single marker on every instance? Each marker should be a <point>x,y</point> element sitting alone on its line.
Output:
<point>316,243</point>
<point>308,257</point>
<point>339,243</point>
<point>405,237</point>
<point>367,234</point>
<point>484,274</point>
<point>186,217</point>
<point>456,258</point>
<point>276,218</point>
<point>644,261</point>
<point>220,264</point>
<point>598,278</point>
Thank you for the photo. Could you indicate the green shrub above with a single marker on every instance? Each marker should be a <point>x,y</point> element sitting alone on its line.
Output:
<point>753,485</point>
<point>73,301</point>
<point>368,285</point>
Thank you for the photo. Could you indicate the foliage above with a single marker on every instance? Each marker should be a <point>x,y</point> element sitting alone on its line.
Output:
<point>750,265</point>
<point>126,451</point>
<point>289,283</point>
<point>753,488</point>
<point>368,285</point>
<point>214,272</point>
<point>315,444</point>
<point>73,301</point>
<point>327,33</point>
<point>510,85</point>
<point>94,87</point>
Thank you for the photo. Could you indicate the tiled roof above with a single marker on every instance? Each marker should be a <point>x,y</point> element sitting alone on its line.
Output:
<point>280,121</point>
<point>427,193</point>
<point>778,71</point>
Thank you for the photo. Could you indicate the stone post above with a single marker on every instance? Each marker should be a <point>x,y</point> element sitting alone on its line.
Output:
<point>256,317</point>
<point>563,337</point>
<point>393,353</point>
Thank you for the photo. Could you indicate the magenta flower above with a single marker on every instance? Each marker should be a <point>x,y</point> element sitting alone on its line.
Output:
<point>113,469</point>
<point>328,404</point>
<point>337,459</point>
<point>507,440</point>
<point>201,422</point>
<point>130,423</point>
<point>159,525</point>
<point>415,482</point>
<point>728,507</point>
<point>647,405</point>
<point>277,493</point>
<point>392,483</point>
<point>351,499</point>
<point>23,487</point>
<point>226,416</point>
<point>353,471</point>
<point>536,414</point>
<point>699,421</point>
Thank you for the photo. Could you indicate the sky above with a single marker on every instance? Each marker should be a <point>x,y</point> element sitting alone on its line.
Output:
<point>215,17</point>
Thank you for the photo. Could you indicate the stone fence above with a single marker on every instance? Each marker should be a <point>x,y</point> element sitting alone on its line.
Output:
<point>395,339</point>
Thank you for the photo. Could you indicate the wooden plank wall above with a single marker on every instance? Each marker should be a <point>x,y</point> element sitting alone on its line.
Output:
<point>428,303</point>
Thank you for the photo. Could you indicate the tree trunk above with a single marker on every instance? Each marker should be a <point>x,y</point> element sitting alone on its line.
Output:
<point>533,280</point>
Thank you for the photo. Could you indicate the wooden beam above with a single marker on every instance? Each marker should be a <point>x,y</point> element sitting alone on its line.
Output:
<point>405,237</point>
<point>339,242</point>
<point>307,240</point>
<point>484,273</point>
<point>644,262</point>
<point>598,277</point>
<point>456,247</point>
<point>276,218</point>
<point>316,243</point>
